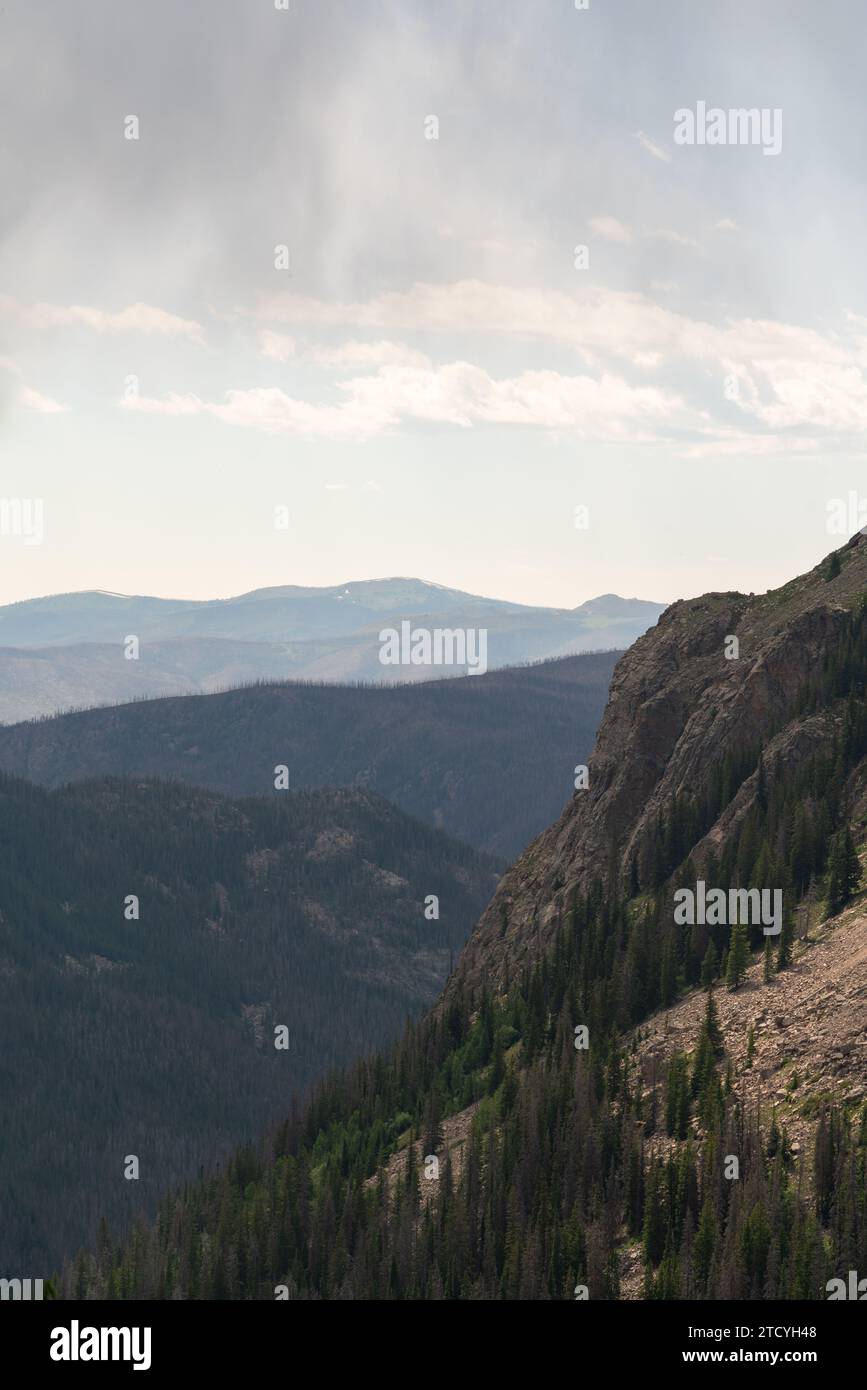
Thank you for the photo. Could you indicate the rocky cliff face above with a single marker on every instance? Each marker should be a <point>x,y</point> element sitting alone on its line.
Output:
<point>679,702</point>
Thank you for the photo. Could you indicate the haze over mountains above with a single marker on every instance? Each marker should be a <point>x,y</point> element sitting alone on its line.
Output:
<point>490,759</point>
<point>67,650</point>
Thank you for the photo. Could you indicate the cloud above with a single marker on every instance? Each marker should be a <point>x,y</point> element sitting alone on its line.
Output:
<point>726,224</point>
<point>26,397</point>
<point>460,394</point>
<point>358,354</point>
<point>611,229</point>
<point>172,404</point>
<point>664,234</point>
<point>594,321</point>
<point>791,381</point>
<point>740,443</point>
<point>652,148</point>
<point>38,404</point>
<point>136,318</point>
<point>277,347</point>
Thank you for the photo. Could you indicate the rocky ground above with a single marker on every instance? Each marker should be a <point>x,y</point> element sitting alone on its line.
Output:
<point>810,1026</point>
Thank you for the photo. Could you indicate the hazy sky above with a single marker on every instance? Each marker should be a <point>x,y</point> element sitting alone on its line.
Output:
<point>433,385</point>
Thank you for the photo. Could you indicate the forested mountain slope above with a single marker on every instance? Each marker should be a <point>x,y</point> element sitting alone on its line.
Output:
<point>489,759</point>
<point>583,1148</point>
<point>154,1036</point>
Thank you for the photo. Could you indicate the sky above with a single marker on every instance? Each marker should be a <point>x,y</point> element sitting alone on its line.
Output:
<point>356,288</point>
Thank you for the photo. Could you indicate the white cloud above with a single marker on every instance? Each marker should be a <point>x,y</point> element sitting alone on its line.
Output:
<point>460,394</point>
<point>611,229</point>
<point>598,319</point>
<point>794,382</point>
<point>357,354</point>
<point>652,148</point>
<point>38,404</point>
<point>277,347</point>
<point>726,224</point>
<point>26,397</point>
<point>664,234</point>
<point>136,318</point>
<point>172,404</point>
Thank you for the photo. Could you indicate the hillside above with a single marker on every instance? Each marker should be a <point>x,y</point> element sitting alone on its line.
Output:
<point>67,650</point>
<point>155,1036</point>
<point>488,759</point>
<point>679,742</point>
<point>607,1101</point>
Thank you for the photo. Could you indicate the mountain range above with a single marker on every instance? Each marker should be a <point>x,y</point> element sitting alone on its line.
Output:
<point>609,1100</point>
<point>71,650</point>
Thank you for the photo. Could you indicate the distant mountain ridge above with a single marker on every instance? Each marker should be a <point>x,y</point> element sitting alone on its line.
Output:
<point>281,613</point>
<point>490,760</point>
<point>67,650</point>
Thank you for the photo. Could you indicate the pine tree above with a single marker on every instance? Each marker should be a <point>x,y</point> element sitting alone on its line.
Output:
<point>768,962</point>
<point>712,1026</point>
<point>852,872</point>
<point>653,1235</point>
<point>836,876</point>
<point>709,967</point>
<point>705,1243</point>
<point>787,936</point>
<point>739,956</point>
<point>677,1098</point>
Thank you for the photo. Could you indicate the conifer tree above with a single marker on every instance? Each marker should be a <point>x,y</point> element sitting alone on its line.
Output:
<point>677,1098</point>
<point>712,1025</point>
<point>738,957</point>
<point>785,947</point>
<point>709,967</point>
<point>768,962</point>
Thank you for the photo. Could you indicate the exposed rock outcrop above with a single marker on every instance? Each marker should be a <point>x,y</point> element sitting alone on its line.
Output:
<point>679,702</point>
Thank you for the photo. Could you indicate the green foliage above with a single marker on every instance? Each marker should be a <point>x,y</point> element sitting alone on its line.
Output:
<point>738,957</point>
<point>844,871</point>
